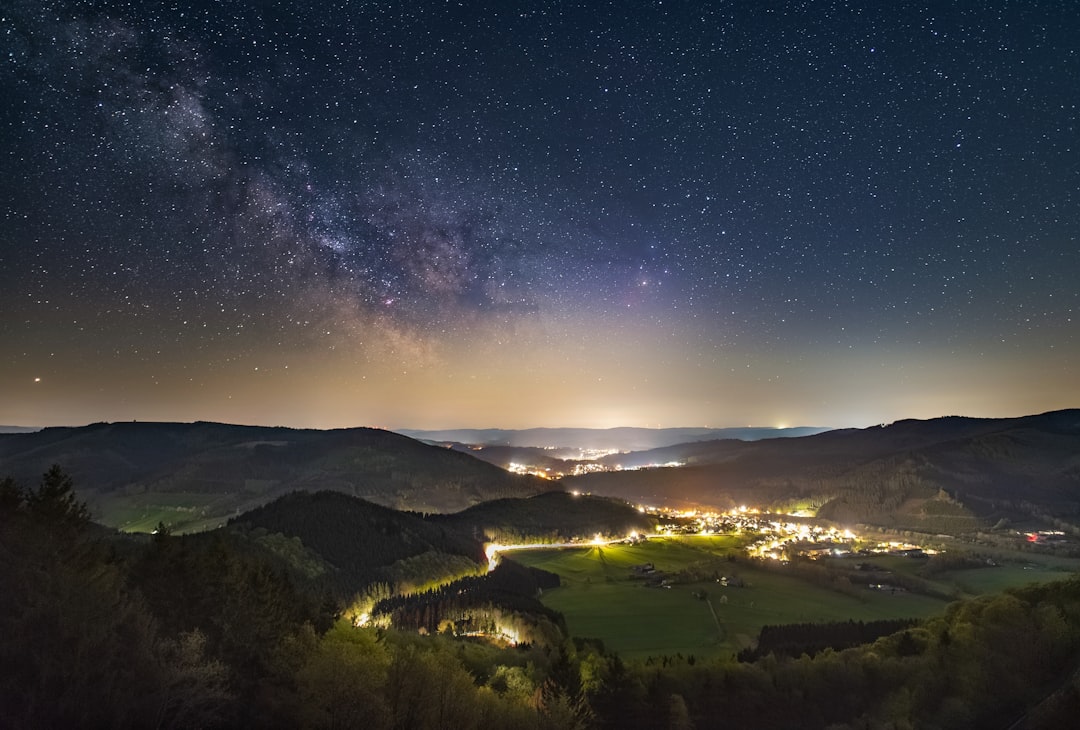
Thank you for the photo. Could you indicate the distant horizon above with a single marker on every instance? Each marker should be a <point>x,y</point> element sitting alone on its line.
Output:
<point>397,429</point>
<point>666,214</point>
<point>660,427</point>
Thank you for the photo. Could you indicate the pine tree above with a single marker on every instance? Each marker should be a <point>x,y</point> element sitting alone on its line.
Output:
<point>54,499</point>
<point>12,496</point>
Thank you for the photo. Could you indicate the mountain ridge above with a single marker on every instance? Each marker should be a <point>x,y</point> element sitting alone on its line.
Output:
<point>122,467</point>
<point>199,474</point>
<point>983,466</point>
<point>621,438</point>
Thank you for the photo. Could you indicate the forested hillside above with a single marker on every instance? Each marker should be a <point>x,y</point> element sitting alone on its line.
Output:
<point>364,543</point>
<point>551,517</point>
<point>570,441</point>
<point>213,630</point>
<point>949,474</point>
<point>199,471</point>
<point>940,474</point>
<point>358,543</point>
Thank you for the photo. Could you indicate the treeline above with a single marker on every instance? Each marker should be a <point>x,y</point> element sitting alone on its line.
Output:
<point>506,598</point>
<point>430,569</point>
<point>355,678</point>
<point>548,518</point>
<point>361,540</point>
<point>104,630</point>
<point>983,664</point>
<point>101,630</point>
<point>795,640</point>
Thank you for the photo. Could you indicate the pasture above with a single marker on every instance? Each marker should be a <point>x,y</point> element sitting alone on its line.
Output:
<point>601,597</point>
<point>993,580</point>
<point>1012,569</point>
<point>181,511</point>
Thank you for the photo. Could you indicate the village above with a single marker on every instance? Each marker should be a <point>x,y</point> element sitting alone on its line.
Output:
<point>779,536</point>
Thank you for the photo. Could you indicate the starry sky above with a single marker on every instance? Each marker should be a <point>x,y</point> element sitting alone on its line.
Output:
<point>476,214</point>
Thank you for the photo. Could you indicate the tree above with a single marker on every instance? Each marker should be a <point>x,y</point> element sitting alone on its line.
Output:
<point>54,499</point>
<point>194,688</point>
<point>79,643</point>
<point>12,496</point>
<point>341,683</point>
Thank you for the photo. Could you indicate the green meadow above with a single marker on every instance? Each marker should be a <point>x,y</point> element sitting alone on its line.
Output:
<point>181,511</point>
<point>601,598</point>
<point>993,580</point>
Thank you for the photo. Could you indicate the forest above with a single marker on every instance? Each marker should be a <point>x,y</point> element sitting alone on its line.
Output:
<point>103,629</point>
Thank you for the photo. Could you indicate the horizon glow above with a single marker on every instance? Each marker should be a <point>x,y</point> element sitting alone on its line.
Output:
<point>582,215</point>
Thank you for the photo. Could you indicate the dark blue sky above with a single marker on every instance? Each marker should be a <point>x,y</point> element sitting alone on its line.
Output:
<point>435,214</point>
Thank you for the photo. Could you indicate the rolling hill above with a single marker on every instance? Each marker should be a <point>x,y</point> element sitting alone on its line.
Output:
<point>363,542</point>
<point>907,473</point>
<point>360,543</point>
<point>548,517</point>
<point>195,474</point>
<point>945,474</point>
<point>568,442</point>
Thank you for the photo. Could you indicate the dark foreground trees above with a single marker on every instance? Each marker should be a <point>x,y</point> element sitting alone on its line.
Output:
<point>103,630</point>
<point>80,647</point>
<point>989,662</point>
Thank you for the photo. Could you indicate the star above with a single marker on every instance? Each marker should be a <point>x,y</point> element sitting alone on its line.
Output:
<point>825,217</point>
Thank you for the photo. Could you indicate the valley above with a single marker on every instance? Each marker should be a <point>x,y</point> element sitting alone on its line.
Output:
<point>912,551</point>
<point>691,589</point>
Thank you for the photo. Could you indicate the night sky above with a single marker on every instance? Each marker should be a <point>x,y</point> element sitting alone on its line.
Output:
<point>434,214</point>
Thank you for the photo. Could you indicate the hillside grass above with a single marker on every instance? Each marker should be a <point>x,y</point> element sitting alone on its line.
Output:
<point>981,581</point>
<point>182,512</point>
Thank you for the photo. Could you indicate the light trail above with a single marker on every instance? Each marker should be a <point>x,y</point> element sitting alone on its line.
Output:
<point>494,549</point>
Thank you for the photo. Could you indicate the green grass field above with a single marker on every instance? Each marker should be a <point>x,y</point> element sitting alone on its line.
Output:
<point>600,599</point>
<point>1014,569</point>
<point>182,511</point>
<point>979,581</point>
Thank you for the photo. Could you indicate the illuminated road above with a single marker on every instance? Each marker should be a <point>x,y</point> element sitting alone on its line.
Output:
<point>493,549</point>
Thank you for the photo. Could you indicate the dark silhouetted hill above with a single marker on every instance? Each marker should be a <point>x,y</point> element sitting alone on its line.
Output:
<point>365,543</point>
<point>504,456</point>
<point>619,439</point>
<point>359,539</point>
<point>909,472</point>
<point>549,517</point>
<point>249,465</point>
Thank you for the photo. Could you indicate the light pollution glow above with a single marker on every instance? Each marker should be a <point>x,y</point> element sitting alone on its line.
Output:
<point>651,217</point>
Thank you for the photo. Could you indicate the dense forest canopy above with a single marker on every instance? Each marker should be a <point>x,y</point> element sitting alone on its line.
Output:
<point>215,630</point>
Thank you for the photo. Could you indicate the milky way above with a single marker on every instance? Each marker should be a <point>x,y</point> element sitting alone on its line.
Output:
<point>538,213</point>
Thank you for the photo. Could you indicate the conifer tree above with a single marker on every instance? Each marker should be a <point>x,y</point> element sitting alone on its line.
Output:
<point>54,499</point>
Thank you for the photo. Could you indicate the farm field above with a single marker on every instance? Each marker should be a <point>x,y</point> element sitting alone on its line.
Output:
<point>182,511</point>
<point>992,580</point>
<point>1013,569</point>
<point>600,598</point>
